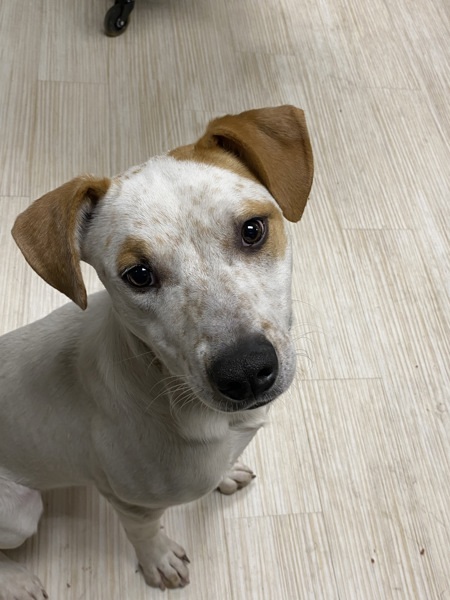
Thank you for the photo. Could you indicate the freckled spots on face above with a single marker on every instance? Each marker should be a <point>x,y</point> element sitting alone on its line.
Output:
<point>238,296</point>
<point>159,240</point>
<point>127,175</point>
<point>139,224</point>
<point>202,230</point>
<point>156,219</point>
<point>210,211</point>
<point>265,325</point>
<point>196,299</point>
<point>201,199</point>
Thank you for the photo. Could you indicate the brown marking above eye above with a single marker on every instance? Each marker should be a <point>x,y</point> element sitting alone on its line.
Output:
<point>133,251</point>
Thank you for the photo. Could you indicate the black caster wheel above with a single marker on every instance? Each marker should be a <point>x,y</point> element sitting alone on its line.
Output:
<point>117,18</point>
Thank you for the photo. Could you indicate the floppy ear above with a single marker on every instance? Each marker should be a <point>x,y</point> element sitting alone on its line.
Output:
<point>49,233</point>
<point>274,145</point>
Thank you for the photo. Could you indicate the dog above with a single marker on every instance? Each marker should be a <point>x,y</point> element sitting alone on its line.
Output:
<point>154,389</point>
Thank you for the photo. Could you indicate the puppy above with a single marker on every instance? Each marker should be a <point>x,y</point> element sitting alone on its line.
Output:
<point>153,391</point>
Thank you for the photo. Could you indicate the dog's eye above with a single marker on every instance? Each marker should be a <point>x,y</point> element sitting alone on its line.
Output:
<point>140,276</point>
<point>253,232</point>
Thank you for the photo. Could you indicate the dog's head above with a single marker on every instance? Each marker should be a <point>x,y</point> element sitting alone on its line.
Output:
<point>193,250</point>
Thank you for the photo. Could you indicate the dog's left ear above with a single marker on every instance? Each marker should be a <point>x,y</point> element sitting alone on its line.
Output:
<point>274,145</point>
<point>49,233</point>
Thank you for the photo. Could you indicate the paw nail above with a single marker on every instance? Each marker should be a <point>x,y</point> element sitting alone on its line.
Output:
<point>186,559</point>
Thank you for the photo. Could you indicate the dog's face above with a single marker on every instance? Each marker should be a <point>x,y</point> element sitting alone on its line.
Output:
<point>197,262</point>
<point>193,250</point>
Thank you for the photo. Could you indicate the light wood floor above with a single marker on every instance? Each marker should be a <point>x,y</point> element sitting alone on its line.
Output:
<point>353,495</point>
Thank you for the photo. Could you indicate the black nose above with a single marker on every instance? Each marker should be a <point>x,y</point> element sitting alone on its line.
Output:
<point>245,370</point>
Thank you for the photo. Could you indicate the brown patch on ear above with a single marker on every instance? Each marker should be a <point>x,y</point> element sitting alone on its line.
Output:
<point>48,233</point>
<point>132,251</point>
<point>273,144</point>
<point>212,156</point>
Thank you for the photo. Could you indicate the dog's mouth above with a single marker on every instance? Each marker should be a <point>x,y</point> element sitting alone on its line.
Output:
<point>229,406</point>
<point>259,405</point>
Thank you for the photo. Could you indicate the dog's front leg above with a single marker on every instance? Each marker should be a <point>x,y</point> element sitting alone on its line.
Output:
<point>239,475</point>
<point>162,561</point>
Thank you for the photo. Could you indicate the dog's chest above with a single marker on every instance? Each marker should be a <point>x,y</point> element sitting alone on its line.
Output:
<point>159,468</point>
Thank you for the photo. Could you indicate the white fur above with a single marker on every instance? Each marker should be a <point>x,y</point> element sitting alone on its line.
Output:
<point>83,399</point>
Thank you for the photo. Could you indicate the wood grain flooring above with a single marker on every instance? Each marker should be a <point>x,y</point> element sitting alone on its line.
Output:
<point>352,499</point>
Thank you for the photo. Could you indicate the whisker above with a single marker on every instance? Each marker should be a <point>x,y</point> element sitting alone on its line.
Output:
<point>304,338</point>
<point>297,301</point>
<point>183,402</point>
<point>164,391</point>
<point>185,399</point>
<point>312,327</point>
<point>155,358</point>
<point>118,362</point>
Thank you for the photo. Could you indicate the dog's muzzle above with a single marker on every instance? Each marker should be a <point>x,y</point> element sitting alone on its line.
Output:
<point>244,372</point>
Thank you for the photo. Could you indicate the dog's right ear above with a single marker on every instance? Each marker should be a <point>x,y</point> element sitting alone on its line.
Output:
<point>49,233</point>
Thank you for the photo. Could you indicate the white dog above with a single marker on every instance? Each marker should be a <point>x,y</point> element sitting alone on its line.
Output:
<point>154,391</point>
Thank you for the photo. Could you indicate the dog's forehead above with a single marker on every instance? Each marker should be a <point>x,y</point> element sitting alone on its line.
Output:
<point>166,190</point>
<point>170,212</point>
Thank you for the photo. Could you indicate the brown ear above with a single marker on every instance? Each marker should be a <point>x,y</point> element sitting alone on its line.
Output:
<point>48,233</point>
<point>274,145</point>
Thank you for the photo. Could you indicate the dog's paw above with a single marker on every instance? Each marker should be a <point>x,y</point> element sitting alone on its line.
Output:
<point>235,479</point>
<point>16,583</point>
<point>164,564</point>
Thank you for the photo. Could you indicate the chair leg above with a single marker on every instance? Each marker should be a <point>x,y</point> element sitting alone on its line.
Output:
<point>117,18</point>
